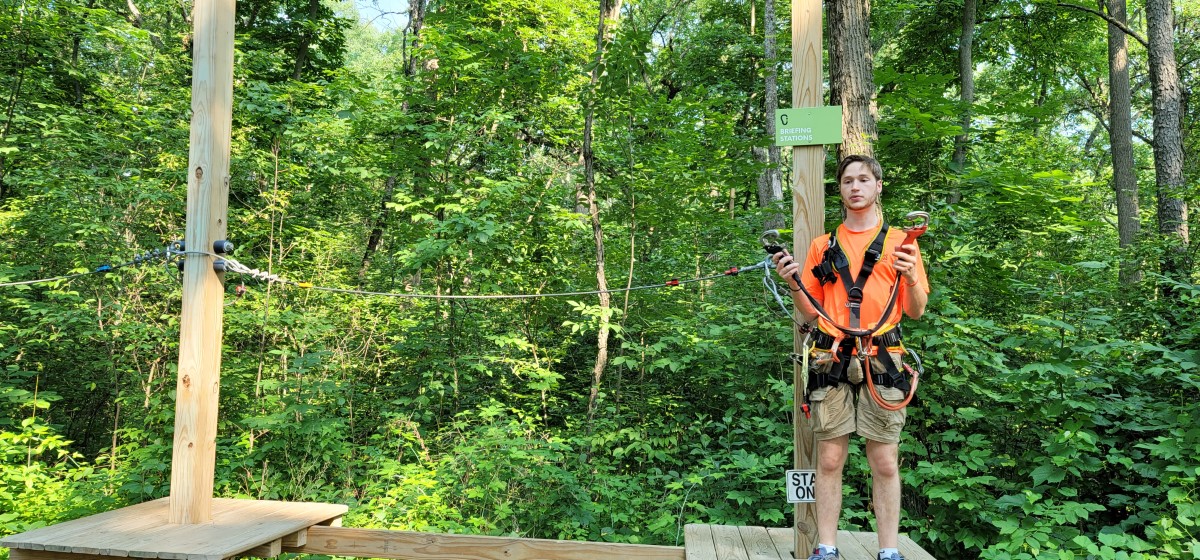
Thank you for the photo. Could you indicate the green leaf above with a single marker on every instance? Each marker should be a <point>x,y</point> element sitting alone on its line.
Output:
<point>1048,473</point>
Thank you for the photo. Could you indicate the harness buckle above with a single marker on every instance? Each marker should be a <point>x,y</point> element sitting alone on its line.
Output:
<point>824,272</point>
<point>865,347</point>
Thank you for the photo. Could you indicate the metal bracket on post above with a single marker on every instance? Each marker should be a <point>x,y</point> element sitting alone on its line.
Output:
<point>218,265</point>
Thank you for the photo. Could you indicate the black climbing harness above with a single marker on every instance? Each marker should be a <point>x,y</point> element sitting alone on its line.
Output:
<point>838,372</point>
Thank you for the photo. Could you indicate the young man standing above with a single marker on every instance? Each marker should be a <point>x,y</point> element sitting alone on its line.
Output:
<point>841,401</point>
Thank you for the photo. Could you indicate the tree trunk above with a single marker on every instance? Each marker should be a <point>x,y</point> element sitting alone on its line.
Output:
<point>306,40</point>
<point>9,111</point>
<point>966,69</point>
<point>377,230</point>
<point>415,22</point>
<point>770,184</point>
<point>852,79</point>
<point>609,10</point>
<point>1120,135</point>
<point>1168,138</point>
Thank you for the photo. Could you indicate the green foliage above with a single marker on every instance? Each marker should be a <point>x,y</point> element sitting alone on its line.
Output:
<point>42,481</point>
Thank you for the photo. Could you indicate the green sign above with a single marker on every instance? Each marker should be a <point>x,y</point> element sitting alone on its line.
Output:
<point>808,126</point>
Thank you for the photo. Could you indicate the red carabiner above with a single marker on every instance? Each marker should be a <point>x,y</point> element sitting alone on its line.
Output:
<point>917,230</point>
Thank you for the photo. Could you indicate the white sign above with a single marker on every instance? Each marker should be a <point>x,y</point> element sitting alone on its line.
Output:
<point>800,487</point>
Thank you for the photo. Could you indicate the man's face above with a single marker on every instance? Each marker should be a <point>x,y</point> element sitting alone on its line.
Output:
<point>859,187</point>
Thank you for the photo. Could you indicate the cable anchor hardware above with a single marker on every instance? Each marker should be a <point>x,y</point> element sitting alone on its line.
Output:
<point>219,266</point>
<point>770,241</point>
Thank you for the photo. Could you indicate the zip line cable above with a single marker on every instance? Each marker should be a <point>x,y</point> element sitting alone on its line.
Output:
<point>54,279</point>
<point>232,265</point>
<point>102,269</point>
<point>175,251</point>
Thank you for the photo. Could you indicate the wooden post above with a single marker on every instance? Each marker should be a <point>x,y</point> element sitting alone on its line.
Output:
<point>199,382</point>
<point>808,221</point>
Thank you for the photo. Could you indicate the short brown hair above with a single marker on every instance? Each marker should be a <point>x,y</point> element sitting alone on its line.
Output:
<point>876,169</point>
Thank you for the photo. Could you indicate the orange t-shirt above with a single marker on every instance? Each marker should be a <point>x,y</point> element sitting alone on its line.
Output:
<point>833,296</point>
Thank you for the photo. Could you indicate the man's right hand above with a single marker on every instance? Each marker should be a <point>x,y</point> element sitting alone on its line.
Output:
<point>787,268</point>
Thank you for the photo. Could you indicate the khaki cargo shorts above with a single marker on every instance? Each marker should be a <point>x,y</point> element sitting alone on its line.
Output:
<point>834,410</point>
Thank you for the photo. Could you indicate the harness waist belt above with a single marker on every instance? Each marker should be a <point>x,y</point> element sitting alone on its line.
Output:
<point>887,339</point>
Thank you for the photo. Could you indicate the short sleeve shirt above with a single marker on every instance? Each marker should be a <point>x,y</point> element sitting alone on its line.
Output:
<point>878,288</point>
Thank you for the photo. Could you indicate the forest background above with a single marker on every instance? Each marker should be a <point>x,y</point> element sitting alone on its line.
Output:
<point>491,147</point>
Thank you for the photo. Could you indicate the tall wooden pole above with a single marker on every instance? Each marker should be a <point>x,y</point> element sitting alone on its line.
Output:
<point>808,221</point>
<point>199,382</point>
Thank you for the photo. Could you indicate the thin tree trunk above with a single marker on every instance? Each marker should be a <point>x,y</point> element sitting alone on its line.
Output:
<point>306,40</point>
<point>416,20</point>
<point>853,83</point>
<point>609,10</point>
<point>76,46</point>
<point>966,70</point>
<point>10,110</point>
<point>415,23</point>
<point>135,15</point>
<point>377,231</point>
<point>1120,135</point>
<point>770,190</point>
<point>1167,94</point>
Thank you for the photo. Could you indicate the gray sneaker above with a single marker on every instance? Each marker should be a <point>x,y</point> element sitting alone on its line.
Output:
<point>892,556</point>
<point>827,556</point>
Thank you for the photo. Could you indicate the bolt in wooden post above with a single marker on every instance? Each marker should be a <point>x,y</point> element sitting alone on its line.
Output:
<point>199,383</point>
<point>808,221</point>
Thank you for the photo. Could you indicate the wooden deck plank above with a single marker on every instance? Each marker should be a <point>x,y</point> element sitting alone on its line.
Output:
<point>253,523</point>
<point>27,554</point>
<point>37,539</point>
<point>913,551</point>
<point>758,543</point>
<point>785,542</point>
<point>851,547</point>
<point>143,531</point>
<point>871,542</point>
<point>152,541</point>
<point>409,545</point>
<point>729,543</point>
<point>698,542</point>
<point>909,549</point>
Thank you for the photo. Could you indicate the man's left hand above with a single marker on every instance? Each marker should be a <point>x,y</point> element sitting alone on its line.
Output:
<point>905,262</point>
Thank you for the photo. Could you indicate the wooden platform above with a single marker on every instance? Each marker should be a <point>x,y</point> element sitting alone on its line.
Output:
<point>267,528</point>
<point>239,527</point>
<point>722,542</point>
